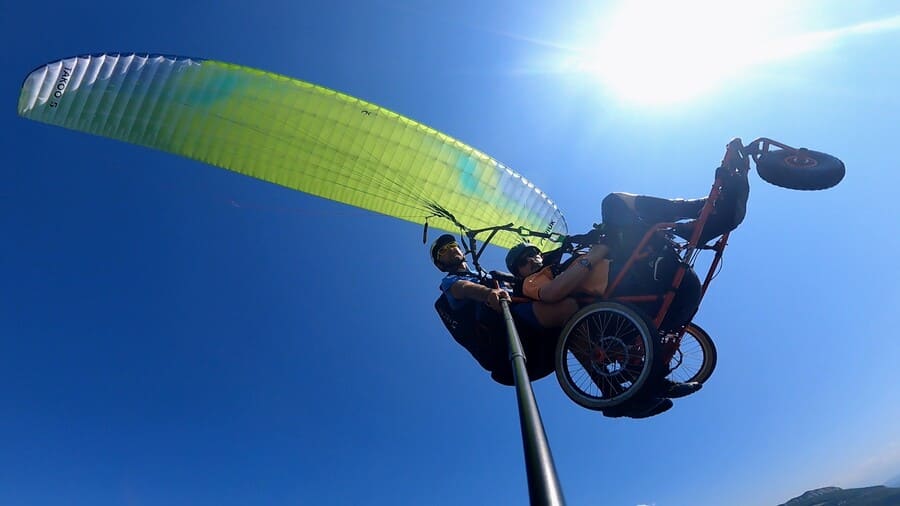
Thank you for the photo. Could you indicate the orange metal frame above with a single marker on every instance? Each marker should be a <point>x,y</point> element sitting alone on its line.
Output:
<point>737,157</point>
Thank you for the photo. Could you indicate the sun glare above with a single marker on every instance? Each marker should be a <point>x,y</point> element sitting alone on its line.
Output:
<point>661,52</point>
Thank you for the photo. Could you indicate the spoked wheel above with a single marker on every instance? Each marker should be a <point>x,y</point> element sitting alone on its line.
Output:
<point>605,355</point>
<point>800,170</point>
<point>695,358</point>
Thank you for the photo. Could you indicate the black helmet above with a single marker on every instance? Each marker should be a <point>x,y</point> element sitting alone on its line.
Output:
<point>516,253</point>
<point>436,246</point>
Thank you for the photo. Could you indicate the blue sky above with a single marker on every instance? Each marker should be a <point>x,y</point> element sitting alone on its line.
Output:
<point>171,333</point>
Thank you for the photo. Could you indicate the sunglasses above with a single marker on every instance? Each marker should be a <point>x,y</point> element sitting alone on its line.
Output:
<point>524,258</point>
<point>445,248</point>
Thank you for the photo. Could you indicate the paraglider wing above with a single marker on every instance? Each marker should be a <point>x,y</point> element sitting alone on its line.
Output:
<point>288,132</point>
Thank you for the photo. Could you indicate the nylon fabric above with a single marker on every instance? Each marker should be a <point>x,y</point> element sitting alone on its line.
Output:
<point>291,133</point>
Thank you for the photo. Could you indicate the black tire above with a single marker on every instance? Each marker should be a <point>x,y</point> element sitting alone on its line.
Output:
<point>695,358</point>
<point>605,354</point>
<point>800,170</point>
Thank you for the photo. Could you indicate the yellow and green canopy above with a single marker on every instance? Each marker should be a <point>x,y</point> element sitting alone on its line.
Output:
<point>290,133</point>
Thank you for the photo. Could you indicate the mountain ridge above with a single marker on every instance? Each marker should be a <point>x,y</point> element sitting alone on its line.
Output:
<point>879,495</point>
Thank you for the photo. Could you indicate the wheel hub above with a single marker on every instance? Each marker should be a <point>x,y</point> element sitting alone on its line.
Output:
<point>611,356</point>
<point>800,160</point>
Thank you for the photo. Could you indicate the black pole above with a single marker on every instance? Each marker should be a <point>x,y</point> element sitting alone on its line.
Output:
<point>543,485</point>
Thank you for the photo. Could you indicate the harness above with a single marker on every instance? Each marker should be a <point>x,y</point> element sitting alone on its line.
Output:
<point>478,337</point>
<point>479,331</point>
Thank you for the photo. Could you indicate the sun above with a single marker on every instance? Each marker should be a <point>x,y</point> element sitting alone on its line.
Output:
<point>662,52</point>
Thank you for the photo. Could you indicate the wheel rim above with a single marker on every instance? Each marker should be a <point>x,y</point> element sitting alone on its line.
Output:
<point>693,359</point>
<point>604,358</point>
<point>687,360</point>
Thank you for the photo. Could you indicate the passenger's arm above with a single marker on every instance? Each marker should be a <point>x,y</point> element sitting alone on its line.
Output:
<point>568,280</point>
